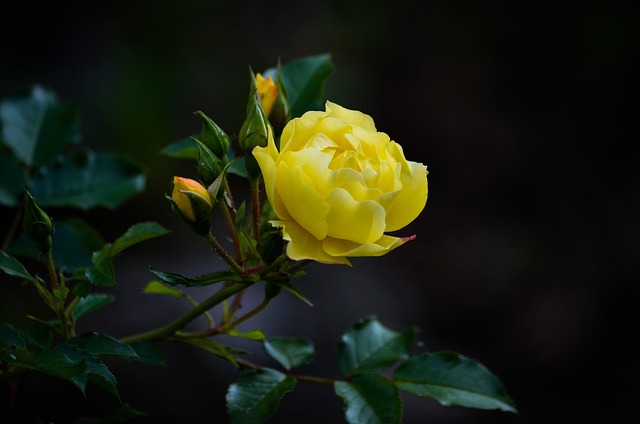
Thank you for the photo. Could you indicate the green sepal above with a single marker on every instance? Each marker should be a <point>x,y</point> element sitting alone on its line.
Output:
<point>209,164</point>
<point>213,136</point>
<point>36,223</point>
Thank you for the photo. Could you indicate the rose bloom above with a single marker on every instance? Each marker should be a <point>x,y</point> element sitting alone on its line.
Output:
<point>186,204</point>
<point>338,185</point>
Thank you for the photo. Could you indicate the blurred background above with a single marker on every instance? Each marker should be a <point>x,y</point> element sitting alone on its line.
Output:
<point>526,253</point>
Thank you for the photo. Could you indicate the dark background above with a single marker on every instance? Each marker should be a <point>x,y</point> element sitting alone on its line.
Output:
<point>525,256</point>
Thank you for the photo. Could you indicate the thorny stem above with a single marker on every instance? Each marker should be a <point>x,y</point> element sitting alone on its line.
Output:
<point>170,329</point>
<point>51,268</point>
<point>223,327</point>
<point>255,206</point>
<point>223,253</point>
<point>234,233</point>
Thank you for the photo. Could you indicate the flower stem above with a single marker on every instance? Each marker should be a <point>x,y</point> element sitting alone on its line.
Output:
<point>169,330</point>
<point>234,233</point>
<point>223,253</point>
<point>51,268</point>
<point>255,206</point>
<point>308,378</point>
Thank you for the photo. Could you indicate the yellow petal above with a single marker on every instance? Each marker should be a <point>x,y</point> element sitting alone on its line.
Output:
<point>410,201</point>
<point>385,244</point>
<point>301,200</point>
<point>354,117</point>
<point>360,222</point>
<point>267,157</point>
<point>303,245</point>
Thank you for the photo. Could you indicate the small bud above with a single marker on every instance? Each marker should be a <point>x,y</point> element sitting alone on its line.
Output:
<point>37,224</point>
<point>212,136</point>
<point>255,129</point>
<point>209,165</point>
<point>192,203</point>
<point>267,92</point>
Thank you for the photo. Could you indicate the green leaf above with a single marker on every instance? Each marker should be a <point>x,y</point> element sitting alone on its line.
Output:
<point>183,149</point>
<point>255,397</point>
<point>104,345</point>
<point>370,346</point>
<point>204,280</point>
<point>290,352</point>
<point>453,379</point>
<point>136,234</point>
<point>156,287</point>
<point>304,81</point>
<point>12,180</point>
<point>74,241</point>
<point>38,127</point>
<point>87,180</point>
<point>250,335</point>
<point>370,399</point>
<point>220,350</point>
<point>39,335</point>
<point>147,354</point>
<point>103,272</point>
<point>13,267</point>
<point>56,362</point>
<point>91,303</point>
<point>11,337</point>
<point>294,291</point>
<point>96,371</point>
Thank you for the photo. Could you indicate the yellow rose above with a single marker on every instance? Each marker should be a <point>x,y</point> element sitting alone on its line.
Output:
<point>267,92</point>
<point>338,185</point>
<point>191,199</point>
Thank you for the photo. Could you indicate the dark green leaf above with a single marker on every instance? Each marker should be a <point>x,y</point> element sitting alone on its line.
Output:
<point>103,273</point>
<point>11,337</point>
<point>290,352</point>
<point>147,354</point>
<point>101,345</point>
<point>38,127</point>
<point>255,397</point>
<point>12,180</point>
<point>238,167</point>
<point>90,303</point>
<point>204,280</point>
<point>370,346</point>
<point>74,241</point>
<point>96,371</point>
<point>136,234</point>
<point>453,379</point>
<point>57,362</point>
<point>370,399</point>
<point>12,266</point>
<point>183,149</point>
<point>39,335</point>
<point>87,180</point>
<point>304,81</point>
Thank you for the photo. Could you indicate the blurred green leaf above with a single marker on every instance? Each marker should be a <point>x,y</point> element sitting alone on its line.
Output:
<point>250,335</point>
<point>12,266</point>
<point>86,180</point>
<point>370,399</point>
<point>255,397</point>
<point>11,337</point>
<point>39,335</point>
<point>101,345</point>
<point>36,128</point>
<point>147,354</point>
<point>304,80</point>
<point>182,149</point>
<point>91,303</point>
<point>56,362</point>
<point>103,273</point>
<point>74,241</point>
<point>12,180</point>
<point>95,371</point>
<point>370,346</point>
<point>156,287</point>
<point>136,234</point>
<point>290,352</point>
<point>453,380</point>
